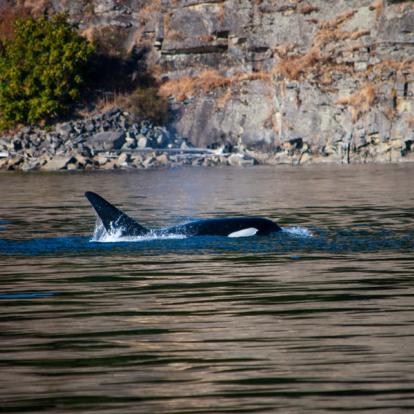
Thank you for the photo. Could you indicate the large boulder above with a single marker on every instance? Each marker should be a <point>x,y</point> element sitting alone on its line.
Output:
<point>58,162</point>
<point>107,140</point>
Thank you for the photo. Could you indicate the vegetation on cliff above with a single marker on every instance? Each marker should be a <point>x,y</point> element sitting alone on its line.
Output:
<point>42,68</point>
<point>49,69</point>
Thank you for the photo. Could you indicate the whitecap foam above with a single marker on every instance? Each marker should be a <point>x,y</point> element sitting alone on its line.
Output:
<point>298,231</point>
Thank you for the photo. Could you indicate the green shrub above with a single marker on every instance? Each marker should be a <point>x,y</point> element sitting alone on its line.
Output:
<point>41,70</point>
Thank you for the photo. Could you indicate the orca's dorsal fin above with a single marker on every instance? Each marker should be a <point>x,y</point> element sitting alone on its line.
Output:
<point>114,220</point>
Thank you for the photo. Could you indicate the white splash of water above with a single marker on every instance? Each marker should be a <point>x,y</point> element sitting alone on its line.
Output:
<point>298,231</point>
<point>99,231</point>
<point>101,235</point>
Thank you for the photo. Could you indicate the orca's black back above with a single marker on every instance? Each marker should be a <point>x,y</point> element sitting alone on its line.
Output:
<point>225,226</point>
<point>115,220</point>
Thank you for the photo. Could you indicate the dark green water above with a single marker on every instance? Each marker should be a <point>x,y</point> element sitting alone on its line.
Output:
<point>316,319</point>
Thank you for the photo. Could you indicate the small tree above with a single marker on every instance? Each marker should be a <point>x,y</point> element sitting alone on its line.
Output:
<point>41,69</point>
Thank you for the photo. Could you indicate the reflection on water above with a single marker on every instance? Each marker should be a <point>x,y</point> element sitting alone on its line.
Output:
<point>317,318</point>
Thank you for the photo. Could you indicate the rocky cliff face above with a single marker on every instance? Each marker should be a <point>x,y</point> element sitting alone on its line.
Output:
<point>330,77</point>
<point>306,78</point>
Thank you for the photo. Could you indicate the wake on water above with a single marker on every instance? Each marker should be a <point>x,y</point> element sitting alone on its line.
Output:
<point>291,240</point>
<point>297,231</point>
<point>101,235</point>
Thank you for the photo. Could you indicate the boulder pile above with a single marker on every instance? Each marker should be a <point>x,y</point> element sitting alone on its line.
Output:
<point>110,140</point>
<point>106,141</point>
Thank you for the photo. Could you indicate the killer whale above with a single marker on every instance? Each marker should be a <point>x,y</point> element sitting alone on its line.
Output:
<point>115,220</point>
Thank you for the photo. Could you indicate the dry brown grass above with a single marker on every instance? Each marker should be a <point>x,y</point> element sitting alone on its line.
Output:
<point>89,33</point>
<point>141,103</point>
<point>166,22</point>
<point>292,67</point>
<point>406,65</point>
<point>22,9</point>
<point>378,6</point>
<point>355,47</point>
<point>222,101</point>
<point>108,40</point>
<point>175,35</point>
<point>390,113</point>
<point>402,6</point>
<point>36,7</point>
<point>312,21</point>
<point>316,60</point>
<point>326,36</point>
<point>146,103</point>
<point>307,9</point>
<point>359,102</point>
<point>283,50</point>
<point>205,82</point>
<point>8,15</point>
<point>187,86</point>
<point>107,102</point>
<point>145,15</point>
<point>206,38</point>
<point>221,13</point>
<point>410,121</point>
<point>148,10</point>
<point>101,104</point>
<point>241,77</point>
<point>169,33</point>
<point>337,21</point>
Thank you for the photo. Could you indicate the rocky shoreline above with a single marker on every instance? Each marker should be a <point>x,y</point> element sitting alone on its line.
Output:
<point>107,141</point>
<point>110,140</point>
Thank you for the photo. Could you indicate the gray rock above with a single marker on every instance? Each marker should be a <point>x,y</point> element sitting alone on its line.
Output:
<point>101,159</point>
<point>240,160</point>
<point>142,141</point>
<point>130,143</point>
<point>107,140</point>
<point>123,160</point>
<point>17,145</point>
<point>162,160</point>
<point>148,162</point>
<point>64,129</point>
<point>71,166</point>
<point>90,126</point>
<point>30,165</point>
<point>56,163</point>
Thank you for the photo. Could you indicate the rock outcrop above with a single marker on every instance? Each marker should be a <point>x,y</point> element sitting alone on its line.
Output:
<point>339,76</point>
<point>297,80</point>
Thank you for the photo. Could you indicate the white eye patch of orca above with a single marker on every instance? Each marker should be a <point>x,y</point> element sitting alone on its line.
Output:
<point>251,231</point>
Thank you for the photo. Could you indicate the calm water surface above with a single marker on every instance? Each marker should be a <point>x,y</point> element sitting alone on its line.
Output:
<point>316,319</point>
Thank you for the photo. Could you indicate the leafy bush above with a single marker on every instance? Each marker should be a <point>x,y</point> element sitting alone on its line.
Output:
<point>41,70</point>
